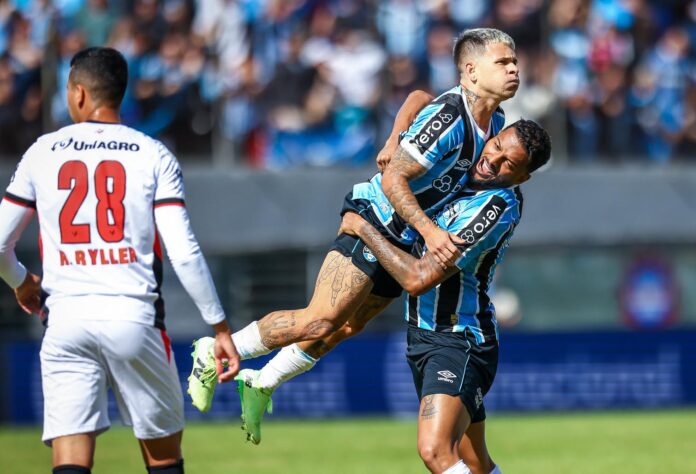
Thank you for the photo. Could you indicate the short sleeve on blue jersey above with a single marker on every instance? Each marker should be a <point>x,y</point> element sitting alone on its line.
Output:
<point>437,131</point>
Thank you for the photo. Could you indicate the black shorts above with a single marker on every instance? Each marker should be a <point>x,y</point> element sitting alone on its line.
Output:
<point>452,364</point>
<point>361,256</point>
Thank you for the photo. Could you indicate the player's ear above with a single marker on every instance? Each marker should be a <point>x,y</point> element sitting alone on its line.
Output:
<point>80,95</point>
<point>470,70</point>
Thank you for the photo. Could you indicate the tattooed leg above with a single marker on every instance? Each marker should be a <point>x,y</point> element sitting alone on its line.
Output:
<point>442,421</point>
<point>371,307</point>
<point>341,287</point>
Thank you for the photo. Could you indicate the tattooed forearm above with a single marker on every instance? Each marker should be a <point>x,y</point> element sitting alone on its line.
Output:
<point>429,410</point>
<point>401,169</point>
<point>413,274</point>
<point>398,263</point>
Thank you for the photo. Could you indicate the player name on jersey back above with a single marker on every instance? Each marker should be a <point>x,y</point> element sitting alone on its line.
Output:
<point>111,256</point>
<point>95,187</point>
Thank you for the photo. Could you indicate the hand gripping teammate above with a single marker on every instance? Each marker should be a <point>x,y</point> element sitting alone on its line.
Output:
<point>428,170</point>
<point>102,191</point>
<point>507,160</point>
<point>452,331</point>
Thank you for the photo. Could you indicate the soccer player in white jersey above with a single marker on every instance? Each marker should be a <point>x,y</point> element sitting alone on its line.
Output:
<point>101,191</point>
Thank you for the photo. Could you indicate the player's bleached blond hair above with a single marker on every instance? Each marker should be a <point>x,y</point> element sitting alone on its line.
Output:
<point>474,41</point>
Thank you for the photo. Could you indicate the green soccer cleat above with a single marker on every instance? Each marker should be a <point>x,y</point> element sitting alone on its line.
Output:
<point>255,402</point>
<point>203,376</point>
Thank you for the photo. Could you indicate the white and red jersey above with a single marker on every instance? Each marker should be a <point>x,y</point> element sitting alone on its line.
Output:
<point>96,188</point>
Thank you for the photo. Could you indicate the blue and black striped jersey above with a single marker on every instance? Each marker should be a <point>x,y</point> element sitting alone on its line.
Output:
<point>446,141</point>
<point>486,221</point>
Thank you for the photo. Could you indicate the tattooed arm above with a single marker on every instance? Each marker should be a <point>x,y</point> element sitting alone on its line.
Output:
<point>399,172</point>
<point>415,102</point>
<point>416,276</point>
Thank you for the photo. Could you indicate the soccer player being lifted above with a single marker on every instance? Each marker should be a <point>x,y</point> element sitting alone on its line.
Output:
<point>452,332</point>
<point>427,171</point>
<point>103,190</point>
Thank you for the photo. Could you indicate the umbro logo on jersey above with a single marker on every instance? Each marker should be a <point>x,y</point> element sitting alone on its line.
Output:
<point>462,165</point>
<point>446,376</point>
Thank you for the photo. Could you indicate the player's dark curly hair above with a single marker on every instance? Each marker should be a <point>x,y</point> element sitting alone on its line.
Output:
<point>103,72</point>
<point>535,140</point>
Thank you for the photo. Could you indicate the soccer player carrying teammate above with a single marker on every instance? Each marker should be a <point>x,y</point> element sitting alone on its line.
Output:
<point>102,190</point>
<point>427,171</point>
<point>452,332</point>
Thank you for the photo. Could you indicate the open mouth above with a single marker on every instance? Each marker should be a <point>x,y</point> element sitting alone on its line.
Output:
<point>485,169</point>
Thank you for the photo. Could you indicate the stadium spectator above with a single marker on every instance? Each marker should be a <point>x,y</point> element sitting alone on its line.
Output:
<point>596,57</point>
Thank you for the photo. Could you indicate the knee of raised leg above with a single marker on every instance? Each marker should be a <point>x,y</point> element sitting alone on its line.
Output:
<point>429,452</point>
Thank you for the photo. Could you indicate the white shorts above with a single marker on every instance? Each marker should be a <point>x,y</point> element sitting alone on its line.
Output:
<point>80,359</point>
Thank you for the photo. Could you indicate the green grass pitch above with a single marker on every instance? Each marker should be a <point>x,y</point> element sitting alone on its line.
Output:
<point>606,442</point>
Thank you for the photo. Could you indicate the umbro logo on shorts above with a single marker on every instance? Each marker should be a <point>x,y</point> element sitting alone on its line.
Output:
<point>446,376</point>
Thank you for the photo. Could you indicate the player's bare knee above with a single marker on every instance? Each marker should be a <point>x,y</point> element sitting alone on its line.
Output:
<point>435,455</point>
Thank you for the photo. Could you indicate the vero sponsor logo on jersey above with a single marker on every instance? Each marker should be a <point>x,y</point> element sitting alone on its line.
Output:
<point>446,376</point>
<point>463,165</point>
<point>436,126</point>
<point>484,220</point>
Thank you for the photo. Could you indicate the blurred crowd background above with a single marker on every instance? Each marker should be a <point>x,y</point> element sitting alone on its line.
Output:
<point>280,83</point>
